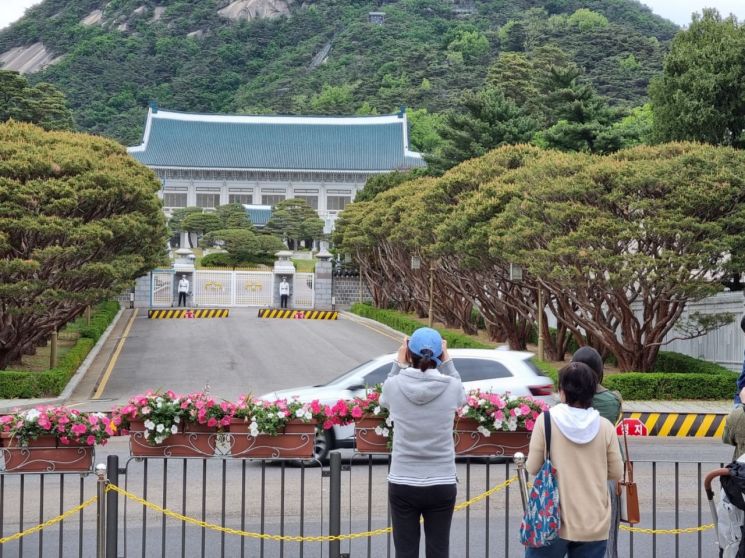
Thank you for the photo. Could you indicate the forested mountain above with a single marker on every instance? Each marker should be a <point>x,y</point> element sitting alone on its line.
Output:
<point>110,57</point>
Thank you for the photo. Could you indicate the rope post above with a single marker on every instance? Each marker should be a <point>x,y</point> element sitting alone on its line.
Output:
<point>334,503</point>
<point>112,507</point>
<point>101,511</point>
<point>522,477</point>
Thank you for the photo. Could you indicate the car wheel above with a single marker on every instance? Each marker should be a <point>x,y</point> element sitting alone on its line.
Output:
<point>324,444</point>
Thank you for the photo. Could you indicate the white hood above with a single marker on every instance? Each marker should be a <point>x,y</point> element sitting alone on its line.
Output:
<point>578,425</point>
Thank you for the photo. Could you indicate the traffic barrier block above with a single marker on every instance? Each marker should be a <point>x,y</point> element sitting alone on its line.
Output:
<point>680,425</point>
<point>290,314</point>
<point>172,313</point>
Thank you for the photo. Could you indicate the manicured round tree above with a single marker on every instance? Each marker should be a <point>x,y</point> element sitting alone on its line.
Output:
<point>80,221</point>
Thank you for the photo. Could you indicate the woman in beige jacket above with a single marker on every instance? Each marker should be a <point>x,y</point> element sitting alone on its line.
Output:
<point>585,453</point>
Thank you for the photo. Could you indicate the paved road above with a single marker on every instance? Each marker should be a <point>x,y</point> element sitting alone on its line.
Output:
<point>239,354</point>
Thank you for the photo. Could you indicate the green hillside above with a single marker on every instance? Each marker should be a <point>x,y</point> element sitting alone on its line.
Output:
<point>324,57</point>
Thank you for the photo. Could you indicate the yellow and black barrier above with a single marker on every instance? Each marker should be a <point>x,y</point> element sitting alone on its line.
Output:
<point>682,425</point>
<point>286,314</point>
<point>171,313</point>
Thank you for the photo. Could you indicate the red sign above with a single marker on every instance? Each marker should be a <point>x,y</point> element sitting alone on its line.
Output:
<point>299,315</point>
<point>633,427</point>
<point>189,314</point>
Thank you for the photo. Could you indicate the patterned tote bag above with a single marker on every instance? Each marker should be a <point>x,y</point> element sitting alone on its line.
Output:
<point>540,525</point>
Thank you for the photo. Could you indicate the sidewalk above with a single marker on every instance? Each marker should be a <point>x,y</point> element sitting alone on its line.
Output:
<point>82,385</point>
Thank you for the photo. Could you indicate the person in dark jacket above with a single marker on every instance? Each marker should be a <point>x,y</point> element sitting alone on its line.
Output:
<point>741,378</point>
<point>608,404</point>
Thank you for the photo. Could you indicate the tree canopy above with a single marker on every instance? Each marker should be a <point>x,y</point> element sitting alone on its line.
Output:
<point>619,244</point>
<point>701,93</point>
<point>41,104</point>
<point>294,220</point>
<point>81,220</point>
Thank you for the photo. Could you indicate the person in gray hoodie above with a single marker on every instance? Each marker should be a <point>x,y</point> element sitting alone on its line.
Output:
<point>422,401</point>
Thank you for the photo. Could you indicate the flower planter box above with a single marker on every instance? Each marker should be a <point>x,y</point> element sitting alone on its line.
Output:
<point>296,442</point>
<point>470,442</point>
<point>196,440</point>
<point>46,455</point>
<point>365,438</point>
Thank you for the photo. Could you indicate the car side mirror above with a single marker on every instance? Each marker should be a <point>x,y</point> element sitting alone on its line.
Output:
<point>356,387</point>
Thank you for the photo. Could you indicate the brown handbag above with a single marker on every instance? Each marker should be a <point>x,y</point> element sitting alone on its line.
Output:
<point>626,489</point>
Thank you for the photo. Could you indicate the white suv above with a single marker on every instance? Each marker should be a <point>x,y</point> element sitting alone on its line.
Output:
<point>497,371</point>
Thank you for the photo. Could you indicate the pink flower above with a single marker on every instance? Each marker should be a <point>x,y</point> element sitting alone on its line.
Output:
<point>498,415</point>
<point>524,409</point>
<point>90,440</point>
<point>93,419</point>
<point>212,422</point>
<point>328,425</point>
<point>64,440</point>
<point>225,421</point>
<point>79,429</point>
<point>315,407</point>
<point>529,424</point>
<point>356,412</point>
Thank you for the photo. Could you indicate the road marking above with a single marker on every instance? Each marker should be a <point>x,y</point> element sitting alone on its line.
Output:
<point>397,339</point>
<point>114,357</point>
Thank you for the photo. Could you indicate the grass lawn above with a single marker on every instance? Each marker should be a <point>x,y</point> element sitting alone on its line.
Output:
<point>40,361</point>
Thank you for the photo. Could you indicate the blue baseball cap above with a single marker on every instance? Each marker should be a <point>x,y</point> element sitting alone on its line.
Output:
<point>426,338</point>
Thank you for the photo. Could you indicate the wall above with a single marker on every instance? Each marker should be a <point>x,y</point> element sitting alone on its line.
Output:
<point>346,290</point>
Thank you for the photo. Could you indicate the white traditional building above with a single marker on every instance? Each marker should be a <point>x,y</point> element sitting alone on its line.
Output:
<point>206,160</point>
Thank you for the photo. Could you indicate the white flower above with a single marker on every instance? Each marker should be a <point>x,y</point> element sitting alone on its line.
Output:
<point>482,402</point>
<point>376,410</point>
<point>518,412</point>
<point>512,425</point>
<point>379,430</point>
<point>300,413</point>
<point>389,421</point>
<point>160,428</point>
<point>482,419</point>
<point>174,429</point>
<point>498,425</point>
<point>150,425</point>
<point>159,439</point>
<point>483,431</point>
<point>308,415</point>
<point>176,419</point>
<point>32,415</point>
<point>386,432</point>
<point>270,415</point>
<point>281,414</point>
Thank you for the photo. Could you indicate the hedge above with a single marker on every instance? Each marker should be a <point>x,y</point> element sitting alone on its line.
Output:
<point>29,385</point>
<point>407,325</point>
<point>684,364</point>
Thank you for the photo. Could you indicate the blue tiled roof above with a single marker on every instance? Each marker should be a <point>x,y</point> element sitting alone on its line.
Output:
<point>268,142</point>
<point>258,215</point>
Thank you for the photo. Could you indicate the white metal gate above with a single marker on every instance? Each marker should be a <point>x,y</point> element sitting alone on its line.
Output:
<point>213,288</point>
<point>253,288</point>
<point>302,290</point>
<point>161,288</point>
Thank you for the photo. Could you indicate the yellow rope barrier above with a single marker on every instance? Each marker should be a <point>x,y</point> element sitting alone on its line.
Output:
<point>49,523</point>
<point>295,538</point>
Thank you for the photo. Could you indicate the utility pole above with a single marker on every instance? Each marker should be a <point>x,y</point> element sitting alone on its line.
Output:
<point>53,350</point>
<point>540,323</point>
<point>430,317</point>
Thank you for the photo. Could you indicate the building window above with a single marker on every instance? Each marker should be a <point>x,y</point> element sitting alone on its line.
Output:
<point>247,199</point>
<point>271,199</point>
<point>174,200</point>
<point>310,200</point>
<point>337,203</point>
<point>208,200</point>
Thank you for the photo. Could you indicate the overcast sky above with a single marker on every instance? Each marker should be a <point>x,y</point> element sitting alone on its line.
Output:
<point>678,11</point>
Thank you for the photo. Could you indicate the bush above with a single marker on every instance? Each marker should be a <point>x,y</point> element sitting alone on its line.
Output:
<point>666,385</point>
<point>15,384</point>
<point>219,259</point>
<point>407,325</point>
<point>684,364</point>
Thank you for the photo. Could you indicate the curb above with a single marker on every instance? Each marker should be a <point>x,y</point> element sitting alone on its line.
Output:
<point>372,324</point>
<point>76,378</point>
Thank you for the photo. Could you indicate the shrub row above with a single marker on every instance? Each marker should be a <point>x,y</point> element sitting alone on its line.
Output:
<point>407,325</point>
<point>16,384</point>
<point>684,364</point>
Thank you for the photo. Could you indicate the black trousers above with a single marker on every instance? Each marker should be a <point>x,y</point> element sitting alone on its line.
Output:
<point>283,301</point>
<point>181,296</point>
<point>410,503</point>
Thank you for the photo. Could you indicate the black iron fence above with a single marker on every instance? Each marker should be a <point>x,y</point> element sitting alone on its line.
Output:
<point>191,507</point>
